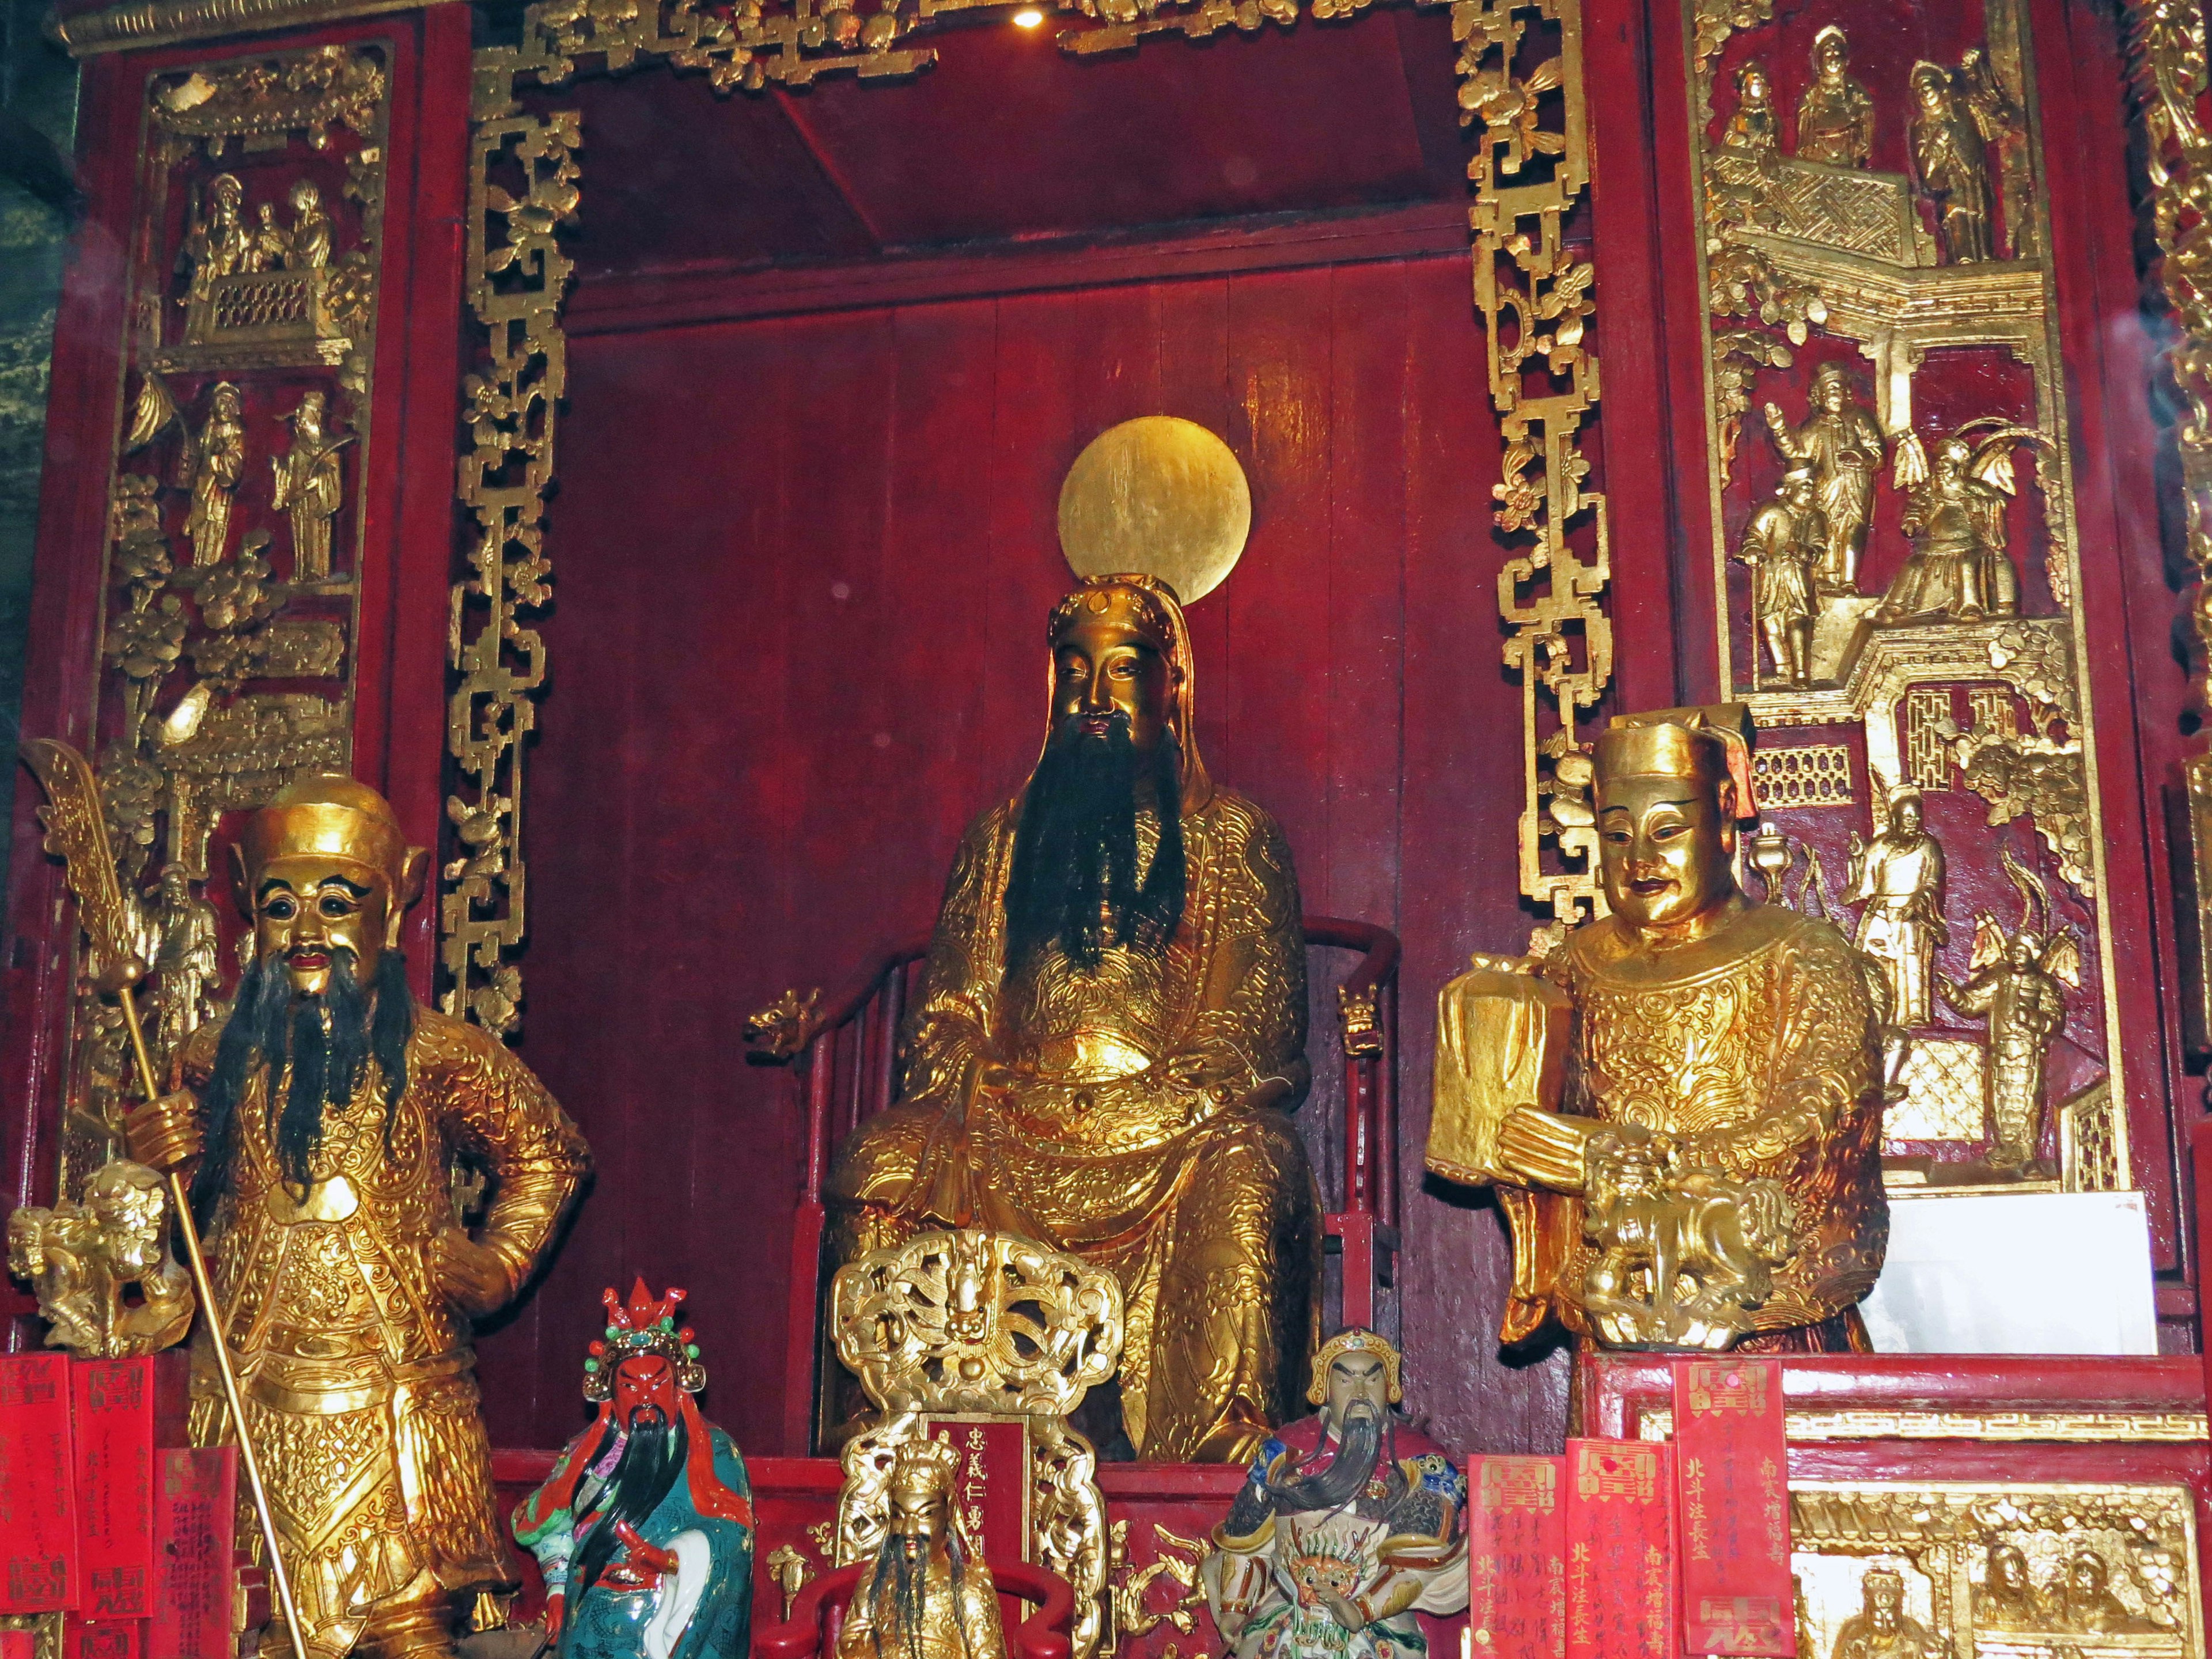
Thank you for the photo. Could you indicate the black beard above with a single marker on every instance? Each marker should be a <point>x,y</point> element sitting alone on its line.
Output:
<point>1073,883</point>
<point>898,1589</point>
<point>651,1458</point>
<point>328,1041</point>
<point>1358,1448</point>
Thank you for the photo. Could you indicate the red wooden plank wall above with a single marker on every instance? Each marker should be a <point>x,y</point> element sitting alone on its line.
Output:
<point>804,569</point>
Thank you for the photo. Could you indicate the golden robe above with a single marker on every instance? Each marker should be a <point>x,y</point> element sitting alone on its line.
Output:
<point>1139,1122</point>
<point>1754,1049</point>
<point>355,1372</point>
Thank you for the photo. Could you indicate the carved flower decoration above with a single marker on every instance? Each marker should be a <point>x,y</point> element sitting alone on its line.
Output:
<point>146,644</point>
<point>240,595</point>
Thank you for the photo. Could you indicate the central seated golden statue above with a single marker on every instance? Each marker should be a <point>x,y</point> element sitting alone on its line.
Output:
<point>1109,1036</point>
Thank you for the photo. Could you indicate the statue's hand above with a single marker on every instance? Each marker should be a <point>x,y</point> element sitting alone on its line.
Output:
<point>165,1134</point>
<point>1544,1148</point>
<point>471,1276</point>
<point>1342,1610</point>
<point>555,1604</point>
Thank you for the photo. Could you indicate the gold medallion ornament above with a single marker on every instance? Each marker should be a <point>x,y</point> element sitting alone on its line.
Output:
<point>1158,494</point>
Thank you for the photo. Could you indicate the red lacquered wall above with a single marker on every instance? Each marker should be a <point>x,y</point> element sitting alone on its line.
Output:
<point>804,568</point>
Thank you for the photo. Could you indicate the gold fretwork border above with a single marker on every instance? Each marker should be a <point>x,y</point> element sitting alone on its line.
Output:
<point>2071,1428</point>
<point>1531,165</point>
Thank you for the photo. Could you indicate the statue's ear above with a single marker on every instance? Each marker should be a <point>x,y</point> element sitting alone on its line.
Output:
<point>239,890</point>
<point>414,872</point>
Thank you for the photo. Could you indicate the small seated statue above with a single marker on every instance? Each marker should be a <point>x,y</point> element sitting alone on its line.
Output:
<point>1109,1036</point>
<point>1348,1526</point>
<point>1681,1106</point>
<point>926,1596</point>
<point>644,1530</point>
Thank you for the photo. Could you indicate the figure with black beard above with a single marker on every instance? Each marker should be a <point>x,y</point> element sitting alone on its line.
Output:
<point>928,1595</point>
<point>1109,1037</point>
<point>320,1120</point>
<point>1348,1527</point>
<point>644,1530</point>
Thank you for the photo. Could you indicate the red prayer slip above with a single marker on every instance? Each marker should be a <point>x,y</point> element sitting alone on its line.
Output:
<point>1620,1551</point>
<point>194,1558</point>
<point>112,1403</point>
<point>39,1563</point>
<point>1516,1557</point>
<point>1731,1458</point>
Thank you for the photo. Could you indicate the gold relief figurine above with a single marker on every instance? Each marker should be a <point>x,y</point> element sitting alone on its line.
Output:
<point>1109,1036</point>
<point>81,1260</point>
<point>218,243</point>
<point>322,1113</point>
<point>218,461</point>
<point>1959,569</point>
<point>1882,1628</point>
<point>310,483</point>
<point>308,245</point>
<point>929,1595</point>
<point>2005,1599</point>
<point>1835,118</point>
<point>1841,442</point>
<point>1681,1106</point>
<point>2003,126</point>
<point>1756,125</point>
<point>1899,877</point>
<point>1781,544</point>
<point>2017,982</point>
<point>1950,162</point>
<point>186,954</point>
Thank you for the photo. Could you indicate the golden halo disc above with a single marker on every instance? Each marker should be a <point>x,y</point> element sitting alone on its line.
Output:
<point>1160,495</point>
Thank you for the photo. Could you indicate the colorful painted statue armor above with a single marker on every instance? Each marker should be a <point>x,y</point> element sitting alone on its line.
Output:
<point>1347,1529</point>
<point>644,1530</point>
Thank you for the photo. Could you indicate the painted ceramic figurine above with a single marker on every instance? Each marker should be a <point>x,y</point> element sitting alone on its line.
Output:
<point>928,1595</point>
<point>1680,1106</point>
<point>1347,1529</point>
<point>644,1530</point>
<point>1109,1038</point>
<point>330,1105</point>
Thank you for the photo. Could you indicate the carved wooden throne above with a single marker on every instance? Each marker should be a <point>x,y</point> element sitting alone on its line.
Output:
<point>842,1052</point>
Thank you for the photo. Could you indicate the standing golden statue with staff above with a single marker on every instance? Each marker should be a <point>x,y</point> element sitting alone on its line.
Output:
<point>321,1115</point>
<point>1681,1108</point>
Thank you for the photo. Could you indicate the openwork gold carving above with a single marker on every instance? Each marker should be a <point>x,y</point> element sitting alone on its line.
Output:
<point>1815,774</point>
<point>168,22</point>
<point>779,1030</point>
<point>976,1322</point>
<point>258,213</point>
<point>1932,271</point>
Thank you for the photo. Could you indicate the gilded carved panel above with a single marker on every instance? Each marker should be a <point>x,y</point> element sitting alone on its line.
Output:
<point>1895,560</point>
<point>228,603</point>
<point>2016,1571</point>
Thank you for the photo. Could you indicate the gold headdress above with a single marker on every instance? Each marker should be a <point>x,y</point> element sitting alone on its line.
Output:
<point>923,1465</point>
<point>1824,34</point>
<point>328,814</point>
<point>1356,1339</point>
<point>1709,745</point>
<point>1146,606</point>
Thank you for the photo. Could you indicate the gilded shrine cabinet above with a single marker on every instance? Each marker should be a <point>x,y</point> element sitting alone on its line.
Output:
<point>630,435</point>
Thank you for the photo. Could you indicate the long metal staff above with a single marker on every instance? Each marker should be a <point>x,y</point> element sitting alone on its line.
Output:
<point>76,829</point>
